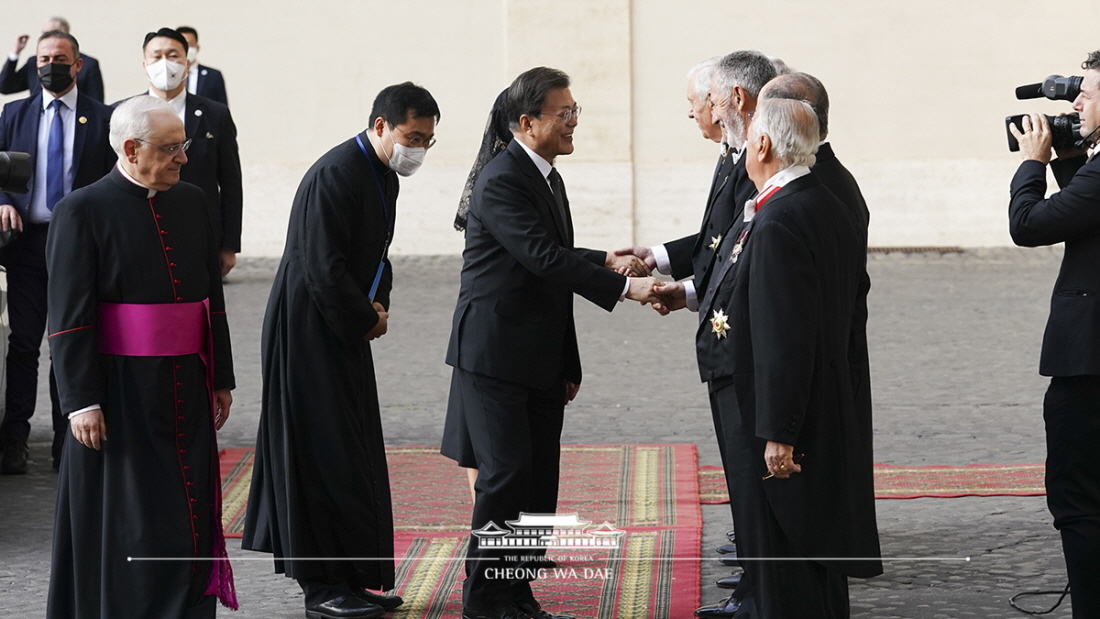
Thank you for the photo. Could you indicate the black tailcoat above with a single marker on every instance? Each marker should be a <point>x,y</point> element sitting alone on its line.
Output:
<point>791,300</point>
<point>320,486</point>
<point>150,491</point>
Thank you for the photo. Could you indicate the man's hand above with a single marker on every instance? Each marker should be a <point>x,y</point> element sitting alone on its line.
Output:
<point>9,218</point>
<point>641,290</point>
<point>571,390</point>
<point>1035,138</point>
<point>20,43</point>
<point>228,261</point>
<point>672,297</point>
<point>626,264</point>
<point>779,458</point>
<point>89,428</point>
<point>223,399</point>
<point>642,253</point>
<point>379,329</point>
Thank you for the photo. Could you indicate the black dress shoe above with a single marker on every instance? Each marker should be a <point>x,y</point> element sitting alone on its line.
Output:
<point>533,609</point>
<point>729,582</point>
<point>345,607</point>
<point>14,460</point>
<point>730,560</point>
<point>508,612</point>
<point>387,602</point>
<point>722,610</point>
<point>726,549</point>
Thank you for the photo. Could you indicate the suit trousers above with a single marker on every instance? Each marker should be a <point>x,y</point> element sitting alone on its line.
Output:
<point>25,263</point>
<point>780,589</point>
<point>515,432</point>
<point>1071,411</point>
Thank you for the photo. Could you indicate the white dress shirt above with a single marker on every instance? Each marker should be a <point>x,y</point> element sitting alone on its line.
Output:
<point>178,103</point>
<point>39,213</point>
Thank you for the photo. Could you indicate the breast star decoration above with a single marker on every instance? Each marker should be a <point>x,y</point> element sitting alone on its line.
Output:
<point>719,323</point>
<point>715,241</point>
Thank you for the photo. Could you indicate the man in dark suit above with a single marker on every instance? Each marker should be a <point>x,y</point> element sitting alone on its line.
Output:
<point>1071,344</point>
<point>202,80</point>
<point>774,349</point>
<point>66,134</point>
<point>513,341</point>
<point>12,80</point>
<point>213,162</point>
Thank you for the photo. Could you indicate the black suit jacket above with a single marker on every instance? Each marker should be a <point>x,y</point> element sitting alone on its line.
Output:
<point>214,164</point>
<point>514,317</point>
<point>692,255</point>
<point>1071,344</point>
<point>211,85</point>
<point>790,300</point>
<point>92,153</point>
<point>89,81</point>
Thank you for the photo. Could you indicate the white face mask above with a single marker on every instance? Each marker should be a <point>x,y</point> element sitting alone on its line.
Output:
<point>192,54</point>
<point>405,159</point>
<point>165,74</point>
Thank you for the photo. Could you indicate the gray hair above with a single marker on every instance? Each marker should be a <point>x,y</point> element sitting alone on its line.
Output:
<point>700,76</point>
<point>62,23</point>
<point>746,68</point>
<point>792,127</point>
<point>804,87</point>
<point>130,120</point>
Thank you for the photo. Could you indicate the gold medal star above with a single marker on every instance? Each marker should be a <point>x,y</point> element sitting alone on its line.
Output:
<point>719,323</point>
<point>715,241</point>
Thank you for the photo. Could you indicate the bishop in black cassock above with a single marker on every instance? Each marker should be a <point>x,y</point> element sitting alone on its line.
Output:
<point>147,485</point>
<point>320,486</point>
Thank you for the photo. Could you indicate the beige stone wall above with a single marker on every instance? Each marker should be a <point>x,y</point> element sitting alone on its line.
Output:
<point>919,93</point>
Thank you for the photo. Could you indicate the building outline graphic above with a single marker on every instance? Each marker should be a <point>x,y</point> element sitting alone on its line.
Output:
<point>565,530</point>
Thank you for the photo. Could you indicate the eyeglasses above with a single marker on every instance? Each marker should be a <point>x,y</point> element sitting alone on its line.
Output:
<point>415,140</point>
<point>565,116</point>
<point>171,149</point>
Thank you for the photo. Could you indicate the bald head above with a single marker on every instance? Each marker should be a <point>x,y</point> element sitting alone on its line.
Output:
<point>801,87</point>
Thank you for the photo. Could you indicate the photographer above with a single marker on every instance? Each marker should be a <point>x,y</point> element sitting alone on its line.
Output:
<point>1071,344</point>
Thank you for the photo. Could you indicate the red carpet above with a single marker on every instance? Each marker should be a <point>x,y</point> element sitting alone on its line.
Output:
<point>911,482</point>
<point>649,491</point>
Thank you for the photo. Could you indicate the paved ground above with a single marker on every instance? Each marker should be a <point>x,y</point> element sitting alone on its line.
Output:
<point>954,351</point>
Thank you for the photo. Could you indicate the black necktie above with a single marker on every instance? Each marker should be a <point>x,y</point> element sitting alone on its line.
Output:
<point>558,189</point>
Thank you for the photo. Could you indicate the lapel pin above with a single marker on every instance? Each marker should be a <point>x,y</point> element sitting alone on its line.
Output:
<point>198,112</point>
<point>82,120</point>
<point>209,135</point>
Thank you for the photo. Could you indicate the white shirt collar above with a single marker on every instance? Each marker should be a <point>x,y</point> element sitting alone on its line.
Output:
<point>777,181</point>
<point>543,165</point>
<point>152,192</point>
<point>178,103</point>
<point>69,99</point>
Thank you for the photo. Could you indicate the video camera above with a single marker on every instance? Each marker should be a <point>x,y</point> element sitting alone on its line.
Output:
<point>15,171</point>
<point>1065,131</point>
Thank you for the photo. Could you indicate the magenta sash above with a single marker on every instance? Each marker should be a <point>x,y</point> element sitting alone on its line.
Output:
<point>169,330</point>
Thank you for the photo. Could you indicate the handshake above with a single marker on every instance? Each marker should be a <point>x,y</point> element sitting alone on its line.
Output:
<point>637,263</point>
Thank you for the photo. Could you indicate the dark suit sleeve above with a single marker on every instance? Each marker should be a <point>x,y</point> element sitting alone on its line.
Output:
<point>224,377</point>
<point>71,258</point>
<point>217,88</point>
<point>507,213</point>
<point>1065,169</point>
<point>1070,214</point>
<point>229,184</point>
<point>92,85</point>
<point>5,144</point>
<point>326,242</point>
<point>784,302</point>
<point>13,80</point>
<point>679,256</point>
<point>385,285</point>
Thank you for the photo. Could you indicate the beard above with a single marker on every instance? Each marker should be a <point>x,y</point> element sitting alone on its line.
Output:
<point>733,129</point>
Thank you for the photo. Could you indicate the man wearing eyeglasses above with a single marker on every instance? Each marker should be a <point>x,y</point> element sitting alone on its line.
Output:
<point>320,486</point>
<point>66,134</point>
<point>214,163</point>
<point>141,349</point>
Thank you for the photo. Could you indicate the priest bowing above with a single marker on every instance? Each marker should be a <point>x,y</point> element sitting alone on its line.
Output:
<point>140,347</point>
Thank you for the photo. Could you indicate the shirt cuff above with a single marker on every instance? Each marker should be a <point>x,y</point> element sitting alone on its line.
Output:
<point>692,296</point>
<point>626,289</point>
<point>13,57</point>
<point>87,409</point>
<point>660,256</point>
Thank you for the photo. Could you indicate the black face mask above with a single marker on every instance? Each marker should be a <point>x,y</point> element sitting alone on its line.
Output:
<point>55,77</point>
